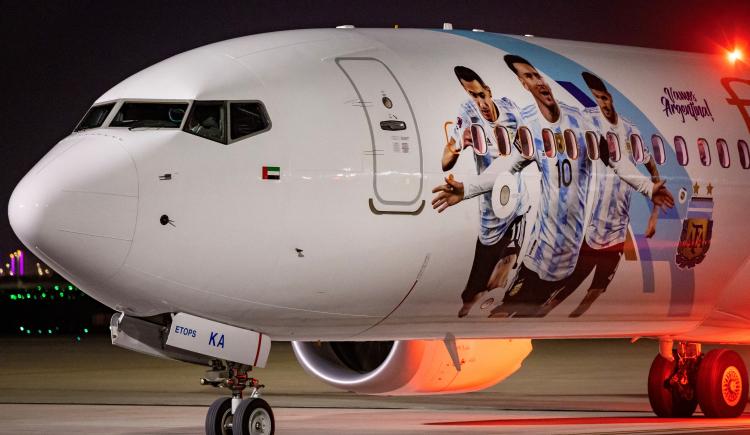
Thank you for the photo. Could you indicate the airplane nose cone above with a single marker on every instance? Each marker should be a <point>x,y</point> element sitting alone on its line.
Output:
<point>76,209</point>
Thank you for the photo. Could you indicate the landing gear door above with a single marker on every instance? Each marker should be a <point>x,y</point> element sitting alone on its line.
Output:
<point>395,147</point>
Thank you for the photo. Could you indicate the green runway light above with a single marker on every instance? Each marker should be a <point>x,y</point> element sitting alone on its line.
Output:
<point>39,331</point>
<point>28,331</point>
<point>49,331</point>
<point>62,294</point>
<point>78,338</point>
<point>21,328</point>
<point>13,297</point>
<point>44,295</point>
<point>28,295</point>
<point>57,287</point>
<point>70,287</point>
<point>85,330</point>
<point>38,287</point>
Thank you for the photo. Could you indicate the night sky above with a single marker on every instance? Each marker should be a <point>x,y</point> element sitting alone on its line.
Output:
<point>59,56</point>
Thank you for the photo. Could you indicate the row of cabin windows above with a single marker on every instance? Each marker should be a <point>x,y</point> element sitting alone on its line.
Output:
<point>704,152</point>
<point>569,145</point>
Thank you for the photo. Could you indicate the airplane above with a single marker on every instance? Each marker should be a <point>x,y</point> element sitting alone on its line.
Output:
<point>410,208</point>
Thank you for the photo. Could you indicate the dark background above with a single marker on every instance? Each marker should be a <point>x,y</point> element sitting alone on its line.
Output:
<point>59,56</point>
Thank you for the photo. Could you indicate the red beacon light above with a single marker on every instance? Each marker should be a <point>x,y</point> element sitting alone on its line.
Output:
<point>734,55</point>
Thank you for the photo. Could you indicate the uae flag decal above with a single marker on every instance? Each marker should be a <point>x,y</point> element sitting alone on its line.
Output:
<point>271,172</point>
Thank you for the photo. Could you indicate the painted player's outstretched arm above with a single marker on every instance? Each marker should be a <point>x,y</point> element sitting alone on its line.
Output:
<point>650,164</point>
<point>453,149</point>
<point>460,138</point>
<point>453,191</point>
<point>475,186</point>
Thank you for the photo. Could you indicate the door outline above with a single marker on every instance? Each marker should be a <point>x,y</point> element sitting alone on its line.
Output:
<point>372,136</point>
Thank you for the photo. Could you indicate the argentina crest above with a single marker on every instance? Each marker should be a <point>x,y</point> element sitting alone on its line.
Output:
<point>695,238</point>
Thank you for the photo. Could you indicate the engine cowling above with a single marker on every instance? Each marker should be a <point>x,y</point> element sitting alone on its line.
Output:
<point>413,367</point>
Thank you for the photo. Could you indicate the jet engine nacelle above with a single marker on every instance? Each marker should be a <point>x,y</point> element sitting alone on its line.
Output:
<point>415,366</point>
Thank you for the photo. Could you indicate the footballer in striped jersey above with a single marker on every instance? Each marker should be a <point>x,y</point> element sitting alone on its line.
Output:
<point>486,126</point>
<point>560,153</point>
<point>605,235</point>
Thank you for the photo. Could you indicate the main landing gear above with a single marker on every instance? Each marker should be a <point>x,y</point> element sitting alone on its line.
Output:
<point>680,379</point>
<point>235,415</point>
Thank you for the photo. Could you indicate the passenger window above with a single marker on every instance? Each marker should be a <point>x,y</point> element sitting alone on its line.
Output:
<point>503,140</point>
<point>527,142</point>
<point>247,119</point>
<point>636,144</point>
<point>703,152</point>
<point>95,117</point>
<point>744,154</point>
<point>571,144</point>
<point>549,142</point>
<point>680,148</point>
<point>478,139</point>
<point>592,145</point>
<point>722,149</point>
<point>613,146</point>
<point>657,144</point>
<point>208,120</point>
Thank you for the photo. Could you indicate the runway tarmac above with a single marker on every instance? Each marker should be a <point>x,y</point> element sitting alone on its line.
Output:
<point>56,385</point>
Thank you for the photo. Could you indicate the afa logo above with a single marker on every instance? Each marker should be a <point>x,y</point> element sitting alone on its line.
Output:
<point>695,239</point>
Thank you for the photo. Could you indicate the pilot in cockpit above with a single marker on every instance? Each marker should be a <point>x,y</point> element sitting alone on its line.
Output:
<point>204,122</point>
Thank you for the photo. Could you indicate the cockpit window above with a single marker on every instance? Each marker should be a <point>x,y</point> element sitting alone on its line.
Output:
<point>247,119</point>
<point>153,115</point>
<point>95,117</point>
<point>208,120</point>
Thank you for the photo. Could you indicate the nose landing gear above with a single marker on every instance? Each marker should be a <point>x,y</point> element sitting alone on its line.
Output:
<point>235,415</point>
<point>717,381</point>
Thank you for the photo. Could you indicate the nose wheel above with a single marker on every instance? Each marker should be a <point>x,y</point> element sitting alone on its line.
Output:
<point>237,415</point>
<point>253,417</point>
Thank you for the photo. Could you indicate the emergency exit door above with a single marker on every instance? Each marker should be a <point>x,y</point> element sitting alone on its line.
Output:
<point>395,145</point>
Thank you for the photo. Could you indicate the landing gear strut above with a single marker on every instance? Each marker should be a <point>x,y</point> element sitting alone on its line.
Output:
<point>683,378</point>
<point>235,415</point>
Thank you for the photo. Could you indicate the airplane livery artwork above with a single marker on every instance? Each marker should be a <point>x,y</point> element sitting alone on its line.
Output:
<point>410,208</point>
<point>586,157</point>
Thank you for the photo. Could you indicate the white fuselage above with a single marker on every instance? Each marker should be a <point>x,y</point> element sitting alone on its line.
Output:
<point>376,262</point>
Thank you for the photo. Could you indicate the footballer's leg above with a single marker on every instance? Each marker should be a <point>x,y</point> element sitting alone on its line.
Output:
<point>607,261</point>
<point>524,297</point>
<point>485,259</point>
<point>499,277</point>
<point>513,239</point>
<point>585,264</point>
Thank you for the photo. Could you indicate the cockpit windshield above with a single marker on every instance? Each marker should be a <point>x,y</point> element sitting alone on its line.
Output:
<point>154,115</point>
<point>95,117</point>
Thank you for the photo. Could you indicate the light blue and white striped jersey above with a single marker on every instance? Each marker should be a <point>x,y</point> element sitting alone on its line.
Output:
<point>610,215</point>
<point>559,228</point>
<point>492,227</point>
<point>558,232</point>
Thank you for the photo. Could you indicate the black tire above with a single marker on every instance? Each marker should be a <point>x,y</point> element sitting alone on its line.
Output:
<point>665,401</point>
<point>253,417</point>
<point>722,384</point>
<point>219,416</point>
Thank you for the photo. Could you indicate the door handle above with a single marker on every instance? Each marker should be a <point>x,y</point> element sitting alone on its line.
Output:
<point>393,125</point>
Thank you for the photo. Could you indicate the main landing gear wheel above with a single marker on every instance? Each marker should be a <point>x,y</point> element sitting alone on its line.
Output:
<point>722,384</point>
<point>253,417</point>
<point>219,417</point>
<point>666,399</point>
